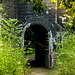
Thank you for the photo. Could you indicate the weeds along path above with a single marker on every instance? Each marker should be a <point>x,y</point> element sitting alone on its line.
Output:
<point>41,71</point>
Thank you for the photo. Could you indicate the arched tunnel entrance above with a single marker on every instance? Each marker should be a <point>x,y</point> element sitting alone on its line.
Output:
<point>36,37</point>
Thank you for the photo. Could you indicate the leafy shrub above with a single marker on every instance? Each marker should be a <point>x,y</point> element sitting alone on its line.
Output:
<point>66,56</point>
<point>12,60</point>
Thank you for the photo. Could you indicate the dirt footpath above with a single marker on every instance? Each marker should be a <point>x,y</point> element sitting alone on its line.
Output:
<point>41,71</point>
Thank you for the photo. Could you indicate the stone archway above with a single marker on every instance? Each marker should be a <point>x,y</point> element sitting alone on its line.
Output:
<point>40,41</point>
<point>49,29</point>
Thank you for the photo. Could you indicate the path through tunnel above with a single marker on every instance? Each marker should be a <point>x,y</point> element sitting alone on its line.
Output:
<point>37,36</point>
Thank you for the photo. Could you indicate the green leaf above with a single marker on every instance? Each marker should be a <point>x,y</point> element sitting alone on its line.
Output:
<point>30,48</point>
<point>27,52</point>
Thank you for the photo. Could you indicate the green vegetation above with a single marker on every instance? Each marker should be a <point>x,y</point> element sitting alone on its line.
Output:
<point>0,7</point>
<point>29,42</point>
<point>66,56</point>
<point>53,1</point>
<point>66,51</point>
<point>70,8</point>
<point>12,60</point>
<point>69,5</point>
<point>37,5</point>
<point>71,24</point>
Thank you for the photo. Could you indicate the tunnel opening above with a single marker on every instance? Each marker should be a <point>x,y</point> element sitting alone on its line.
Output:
<point>36,37</point>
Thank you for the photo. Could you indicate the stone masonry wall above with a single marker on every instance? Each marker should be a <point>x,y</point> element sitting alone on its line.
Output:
<point>10,7</point>
<point>23,12</point>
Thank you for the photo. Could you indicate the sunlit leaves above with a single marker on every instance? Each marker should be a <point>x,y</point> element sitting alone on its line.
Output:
<point>70,8</point>
<point>53,1</point>
<point>11,25</point>
<point>10,31</point>
<point>68,4</point>
<point>66,56</point>
<point>12,60</point>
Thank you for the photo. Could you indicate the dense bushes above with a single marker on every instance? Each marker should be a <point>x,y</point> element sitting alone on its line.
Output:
<point>66,56</point>
<point>12,60</point>
<point>66,51</point>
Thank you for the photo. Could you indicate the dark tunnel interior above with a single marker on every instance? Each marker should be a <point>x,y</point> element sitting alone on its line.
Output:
<point>38,36</point>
